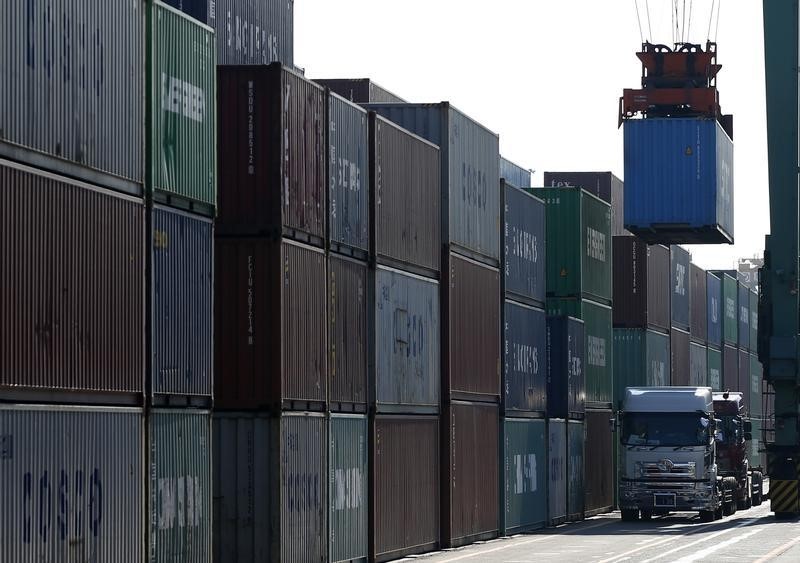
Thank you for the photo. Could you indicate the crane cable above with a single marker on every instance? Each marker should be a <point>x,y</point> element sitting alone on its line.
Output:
<point>711,19</point>
<point>639,20</point>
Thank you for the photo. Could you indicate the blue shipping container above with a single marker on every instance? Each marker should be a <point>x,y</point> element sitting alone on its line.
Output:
<point>678,180</point>
<point>182,308</point>
<point>714,305</point>
<point>744,316</point>
<point>566,388</point>
<point>523,245</point>
<point>514,174</point>
<point>470,168</point>
<point>679,287</point>
<point>524,368</point>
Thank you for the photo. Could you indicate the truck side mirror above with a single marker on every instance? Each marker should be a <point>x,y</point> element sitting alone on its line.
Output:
<point>748,427</point>
<point>612,422</point>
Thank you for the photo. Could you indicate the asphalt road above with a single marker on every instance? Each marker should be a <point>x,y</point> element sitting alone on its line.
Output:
<point>749,535</point>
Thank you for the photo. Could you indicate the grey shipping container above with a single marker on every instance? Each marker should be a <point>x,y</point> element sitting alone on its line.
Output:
<point>523,263</point>
<point>82,114</point>
<point>72,484</point>
<point>182,314</point>
<point>348,180</point>
<point>348,480</point>
<point>556,471</point>
<point>524,357</point>
<point>404,485</point>
<point>180,485</point>
<point>698,322</point>
<point>470,492</point>
<point>599,461</point>
<point>679,287</point>
<point>679,357</point>
<point>514,174</point>
<point>360,90</point>
<point>471,330</point>
<point>753,321</point>
<point>715,368</point>
<point>576,489</point>
<point>641,359</point>
<point>406,342</point>
<point>242,473</point>
<point>73,287</point>
<point>744,316</point>
<point>253,32</point>
<point>524,478</point>
<point>730,368</point>
<point>714,307</point>
<point>641,284</point>
<point>270,326</point>
<point>469,172</point>
<point>743,383</point>
<point>347,333</point>
<point>604,185</point>
<point>271,153</point>
<point>698,365</point>
<point>565,364</point>
<point>405,196</point>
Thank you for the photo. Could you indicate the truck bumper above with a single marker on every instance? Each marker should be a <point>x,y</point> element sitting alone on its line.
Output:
<point>685,497</point>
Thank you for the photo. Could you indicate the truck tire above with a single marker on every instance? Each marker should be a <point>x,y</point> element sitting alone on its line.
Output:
<point>758,497</point>
<point>629,514</point>
<point>729,496</point>
<point>647,515</point>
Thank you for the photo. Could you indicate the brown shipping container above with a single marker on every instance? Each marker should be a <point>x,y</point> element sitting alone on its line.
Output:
<point>271,153</point>
<point>679,357</point>
<point>641,284</point>
<point>73,286</point>
<point>270,325</point>
<point>599,463</point>
<point>698,302</point>
<point>404,191</point>
<point>471,331</point>
<point>405,486</point>
<point>347,333</point>
<point>470,488</point>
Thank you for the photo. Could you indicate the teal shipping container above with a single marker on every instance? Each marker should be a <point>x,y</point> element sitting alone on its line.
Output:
<point>730,307</point>
<point>641,359</point>
<point>754,457</point>
<point>556,471</point>
<point>698,365</point>
<point>524,475</point>
<point>714,369</point>
<point>348,508</point>
<point>576,490</point>
<point>180,485</point>
<point>756,379</point>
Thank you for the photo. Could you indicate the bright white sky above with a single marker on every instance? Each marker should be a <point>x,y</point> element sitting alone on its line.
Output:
<point>547,75</point>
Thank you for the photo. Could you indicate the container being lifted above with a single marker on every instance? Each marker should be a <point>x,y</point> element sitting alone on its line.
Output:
<point>678,149</point>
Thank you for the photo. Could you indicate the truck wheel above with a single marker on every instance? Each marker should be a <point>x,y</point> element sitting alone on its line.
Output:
<point>630,515</point>
<point>718,513</point>
<point>707,515</point>
<point>757,496</point>
<point>729,496</point>
<point>647,515</point>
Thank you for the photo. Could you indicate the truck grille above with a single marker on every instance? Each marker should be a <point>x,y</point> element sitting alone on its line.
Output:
<point>666,469</point>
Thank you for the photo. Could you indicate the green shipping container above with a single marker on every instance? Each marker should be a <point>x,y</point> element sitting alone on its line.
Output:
<point>180,485</point>
<point>524,486</point>
<point>578,244</point>
<point>576,439</point>
<point>641,359</point>
<point>753,453</point>
<point>599,345</point>
<point>347,487</point>
<point>756,378</point>
<point>730,310</point>
<point>753,321</point>
<point>714,369</point>
<point>698,364</point>
<point>182,110</point>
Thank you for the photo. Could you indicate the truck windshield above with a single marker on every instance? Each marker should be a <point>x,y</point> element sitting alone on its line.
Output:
<point>664,429</point>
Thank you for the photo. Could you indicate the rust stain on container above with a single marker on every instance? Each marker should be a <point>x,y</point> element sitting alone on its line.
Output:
<point>72,285</point>
<point>270,325</point>
<point>347,332</point>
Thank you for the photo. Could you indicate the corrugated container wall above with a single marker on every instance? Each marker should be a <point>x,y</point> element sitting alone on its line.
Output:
<point>744,316</point>
<point>730,308</point>
<point>469,172</point>
<point>641,284</point>
<point>730,368</point>
<point>348,482</point>
<point>743,367</point>
<point>714,303</point>
<point>599,462</point>
<point>753,321</point>
<point>579,261</point>
<point>679,293</point>
<point>756,377</point>
<point>604,185</point>
<point>360,90</point>
<point>89,461</point>
<point>576,491</point>
<point>406,341</point>
<point>524,475</point>
<point>698,322</point>
<point>242,473</point>
<point>405,485</point>
<point>271,153</point>
<point>406,199</point>
<point>270,324</point>
<point>514,174</point>
<point>556,471</point>
<point>347,332</point>
<point>73,285</point>
<point>715,369</point>
<point>565,364</point>
<point>470,492</point>
<point>524,271</point>
<point>182,156</point>
<point>679,357</point>
<point>180,485</point>
<point>679,180</point>
<point>698,365</point>
<point>348,175</point>
<point>472,357</point>
<point>182,326</point>
<point>63,100</point>
<point>524,367</point>
<point>641,359</point>
<point>253,32</point>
